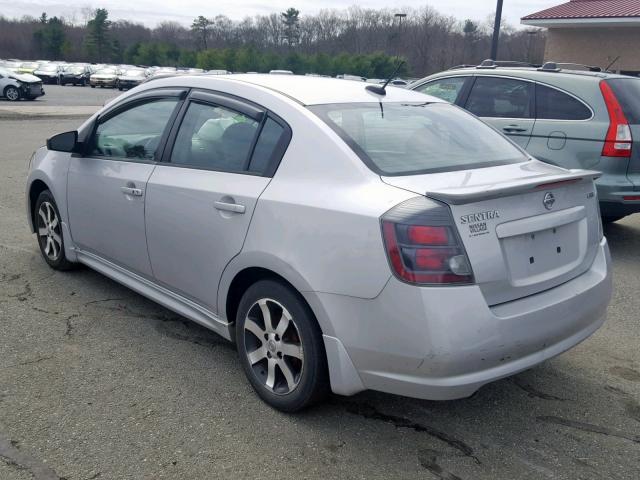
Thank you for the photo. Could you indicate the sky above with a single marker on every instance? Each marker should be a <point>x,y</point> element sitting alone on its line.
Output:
<point>152,12</point>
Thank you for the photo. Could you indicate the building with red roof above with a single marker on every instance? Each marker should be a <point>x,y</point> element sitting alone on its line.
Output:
<point>592,32</point>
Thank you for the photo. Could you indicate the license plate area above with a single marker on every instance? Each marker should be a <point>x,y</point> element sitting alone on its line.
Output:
<point>539,256</point>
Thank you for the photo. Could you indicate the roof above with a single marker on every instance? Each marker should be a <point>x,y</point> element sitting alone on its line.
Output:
<point>321,90</point>
<point>603,12</point>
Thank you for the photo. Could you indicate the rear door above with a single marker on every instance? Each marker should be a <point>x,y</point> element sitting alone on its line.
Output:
<point>201,198</point>
<point>505,103</point>
<point>565,132</point>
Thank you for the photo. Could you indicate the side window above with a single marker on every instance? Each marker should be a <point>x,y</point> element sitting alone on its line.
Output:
<point>214,138</point>
<point>500,97</point>
<point>134,133</point>
<point>266,146</point>
<point>446,88</point>
<point>552,104</point>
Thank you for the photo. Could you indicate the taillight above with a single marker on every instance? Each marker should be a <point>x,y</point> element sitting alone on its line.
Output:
<point>618,141</point>
<point>423,245</point>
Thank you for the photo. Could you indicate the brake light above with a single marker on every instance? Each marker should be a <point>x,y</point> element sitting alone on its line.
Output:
<point>618,141</point>
<point>422,244</point>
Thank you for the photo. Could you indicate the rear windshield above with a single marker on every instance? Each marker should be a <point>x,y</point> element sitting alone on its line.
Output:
<point>627,91</point>
<point>415,138</point>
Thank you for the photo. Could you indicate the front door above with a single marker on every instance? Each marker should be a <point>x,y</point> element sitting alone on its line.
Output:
<point>505,103</point>
<point>200,202</point>
<point>107,187</point>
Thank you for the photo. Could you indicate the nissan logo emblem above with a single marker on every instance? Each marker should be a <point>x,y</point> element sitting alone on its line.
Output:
<point>548,200</point>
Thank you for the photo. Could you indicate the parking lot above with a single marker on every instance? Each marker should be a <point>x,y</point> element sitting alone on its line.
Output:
<point>98,382</point>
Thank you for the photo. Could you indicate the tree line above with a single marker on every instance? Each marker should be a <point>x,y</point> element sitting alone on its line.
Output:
<point>357,41</point>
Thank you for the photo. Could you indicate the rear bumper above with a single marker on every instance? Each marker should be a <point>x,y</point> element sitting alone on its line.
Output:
<point>612,190</point>
<point>445,343</point>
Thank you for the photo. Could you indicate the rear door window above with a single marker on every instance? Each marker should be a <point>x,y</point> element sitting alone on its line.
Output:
<point>627,91</point>
<point>500,98</point>
<point>447,89</point>
<point>212,137</point>
<point>552,104</point>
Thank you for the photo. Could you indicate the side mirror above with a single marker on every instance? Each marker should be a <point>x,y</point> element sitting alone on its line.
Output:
<point>64,142</point>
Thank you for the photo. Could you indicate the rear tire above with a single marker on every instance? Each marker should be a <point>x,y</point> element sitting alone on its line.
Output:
<point>612,218</point>
<point>48,226</point>
<point>280,347</point>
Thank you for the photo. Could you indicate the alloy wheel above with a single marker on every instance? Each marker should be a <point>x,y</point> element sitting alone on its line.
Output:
<point>49,232</point>
<point>273,346</point>
<point>12,94</point>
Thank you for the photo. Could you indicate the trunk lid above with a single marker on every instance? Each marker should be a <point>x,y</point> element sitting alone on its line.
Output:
<point>526,227</point>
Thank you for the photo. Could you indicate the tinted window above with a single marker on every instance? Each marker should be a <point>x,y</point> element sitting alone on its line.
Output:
<point>447,88</point>
<point>627,91</point>
<point>134,133</point>
<point>500,97</point>
<point>397,138</point>
<point>266,146</point>
<point>552,104</point>
<point>214,138</point>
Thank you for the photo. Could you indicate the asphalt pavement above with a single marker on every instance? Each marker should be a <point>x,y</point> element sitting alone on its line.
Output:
<point>96,382</point>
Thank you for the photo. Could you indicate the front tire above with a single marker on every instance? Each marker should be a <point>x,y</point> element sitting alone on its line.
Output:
<point>280,347</point>
<point>48,226</point>
<point>11,93</point>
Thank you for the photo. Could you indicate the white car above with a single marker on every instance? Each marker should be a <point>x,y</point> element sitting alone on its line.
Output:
<point>14,86</point>
<point>345,237</point>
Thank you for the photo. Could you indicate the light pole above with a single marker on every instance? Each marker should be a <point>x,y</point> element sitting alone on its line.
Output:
<point>496,31</point>
<point>399,16</point>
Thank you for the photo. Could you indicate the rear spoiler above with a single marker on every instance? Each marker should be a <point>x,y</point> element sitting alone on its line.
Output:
<point>462,195</point>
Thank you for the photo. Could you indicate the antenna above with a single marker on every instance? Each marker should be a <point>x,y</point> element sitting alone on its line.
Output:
<point>381,90</point>
<point>611,64</point>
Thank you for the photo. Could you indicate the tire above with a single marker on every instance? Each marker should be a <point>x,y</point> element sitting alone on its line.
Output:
<point>48,227</point>
<point>93,86</point>
<point>612,218</point>
<point>295,346</point>
<point>12,93</point>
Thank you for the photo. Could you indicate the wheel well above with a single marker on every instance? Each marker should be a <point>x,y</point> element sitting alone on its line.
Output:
<point>37,187</point>
<point>247,277</point>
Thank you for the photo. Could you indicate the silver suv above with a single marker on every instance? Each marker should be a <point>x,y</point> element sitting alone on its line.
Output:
<point>563,116</point>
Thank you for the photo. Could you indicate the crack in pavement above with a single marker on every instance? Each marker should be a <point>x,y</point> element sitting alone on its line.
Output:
<point>69,330</point>
<point>533,392</point>
<point>428,460</point>
<point>370,412</point>
<point>12,455</point>
<point>588,427</point>
<point>30,362</point>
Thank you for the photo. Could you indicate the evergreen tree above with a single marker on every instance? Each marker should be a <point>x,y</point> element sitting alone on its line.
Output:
<point>97,41</point>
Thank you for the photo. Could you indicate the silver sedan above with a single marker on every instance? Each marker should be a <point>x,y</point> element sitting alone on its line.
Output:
<point>345,236</point>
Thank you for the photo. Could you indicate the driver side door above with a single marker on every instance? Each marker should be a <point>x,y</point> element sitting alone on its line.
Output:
<point>106,187</point>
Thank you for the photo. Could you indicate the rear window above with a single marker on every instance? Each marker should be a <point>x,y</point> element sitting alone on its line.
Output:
<point>627,91</point>
<point>552,104</point>
<point>415,138</point>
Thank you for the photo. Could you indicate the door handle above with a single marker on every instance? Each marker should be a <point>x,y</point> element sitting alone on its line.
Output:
<point>134,192</point>
<point>229,207</point>
<point>513,129</point>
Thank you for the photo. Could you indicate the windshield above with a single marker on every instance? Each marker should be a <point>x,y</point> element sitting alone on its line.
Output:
<point>74,69</point>
<point>49,68</point>
<point>411,138</point>
<point>29,65</point>
<point>134,73</point>
<point>106,71</point>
